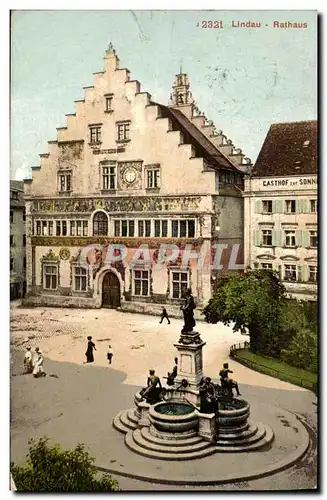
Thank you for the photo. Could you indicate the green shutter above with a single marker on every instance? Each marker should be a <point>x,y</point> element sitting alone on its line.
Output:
<point>258,206</point>
<point>299,206</point>
<point>256,239</point>
<point>305,273</point>
<point>278,209</point>
<point>305,239</point>
<point>299,274</point>
<point>298,238</point>
<point>306,206</point>
<point>277,236</point>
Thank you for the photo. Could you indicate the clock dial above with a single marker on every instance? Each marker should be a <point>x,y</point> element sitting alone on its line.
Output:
<point>130,175</point>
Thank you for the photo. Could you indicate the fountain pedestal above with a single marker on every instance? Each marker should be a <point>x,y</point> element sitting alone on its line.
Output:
<point>190,364</point>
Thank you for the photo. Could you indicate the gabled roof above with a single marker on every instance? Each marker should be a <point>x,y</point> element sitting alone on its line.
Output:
<point>289,149</point>
<point>192,135</point>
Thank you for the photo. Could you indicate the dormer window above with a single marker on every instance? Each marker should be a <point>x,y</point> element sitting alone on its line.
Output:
<point>108,102</point>
<point>95,134</point>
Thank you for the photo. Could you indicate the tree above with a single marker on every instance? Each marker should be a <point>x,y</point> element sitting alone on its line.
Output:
<point>50,469</point>
<point>303,351</point>
<point>253,301</point>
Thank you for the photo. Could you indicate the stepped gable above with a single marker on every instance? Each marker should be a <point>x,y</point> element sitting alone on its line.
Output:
<point>194,136</point>
<point>289,149</point>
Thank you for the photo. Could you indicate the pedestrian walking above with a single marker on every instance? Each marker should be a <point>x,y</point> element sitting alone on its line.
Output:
<point>38,370</point>
<point>28,363</point>
<point>89,350</point>
<point>109,354</point>
<point>164,314</point>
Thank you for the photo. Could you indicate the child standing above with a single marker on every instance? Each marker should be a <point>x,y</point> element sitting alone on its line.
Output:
<point>109,354</point>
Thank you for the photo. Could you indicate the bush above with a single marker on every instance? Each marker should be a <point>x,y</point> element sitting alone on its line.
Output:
<point>303,351</point>
<point>50,469</point>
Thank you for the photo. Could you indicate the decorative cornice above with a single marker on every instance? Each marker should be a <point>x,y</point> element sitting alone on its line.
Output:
<point>266,256</point>
<point>79,241</point>
<point>289,257</point>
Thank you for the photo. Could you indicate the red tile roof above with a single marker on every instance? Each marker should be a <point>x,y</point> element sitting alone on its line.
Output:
<point>289,149</point>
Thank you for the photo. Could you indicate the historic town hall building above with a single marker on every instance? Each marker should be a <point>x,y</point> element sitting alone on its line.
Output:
<point>132,172</point>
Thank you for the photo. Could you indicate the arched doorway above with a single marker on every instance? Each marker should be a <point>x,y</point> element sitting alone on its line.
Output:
<point>110,291</point>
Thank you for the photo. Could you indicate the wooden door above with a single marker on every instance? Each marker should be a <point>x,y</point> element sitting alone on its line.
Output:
<point>110,291</point>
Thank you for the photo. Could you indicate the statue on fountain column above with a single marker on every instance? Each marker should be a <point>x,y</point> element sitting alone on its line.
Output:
<point>188,312</point>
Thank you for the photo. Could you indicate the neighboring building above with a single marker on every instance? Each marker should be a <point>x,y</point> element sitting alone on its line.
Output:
<point>127,170</point>
<point>281,208</point>
<point>17,241</point>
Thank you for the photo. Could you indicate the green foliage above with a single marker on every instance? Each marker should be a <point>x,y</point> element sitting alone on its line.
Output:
<point>252,301</point>
<point>303,351</point>
<point>50,469</point>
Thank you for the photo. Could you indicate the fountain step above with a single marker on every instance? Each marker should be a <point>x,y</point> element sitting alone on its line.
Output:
<point>235,430</point>
<point>122,423</point>
<point>170,440</point>
<point>132,417</point>
<point>239,440</point>
<point>237,435</point>
<point>236,447</point>
<point>168,435</point>
<point>141,437</point>
<point>165,455</point>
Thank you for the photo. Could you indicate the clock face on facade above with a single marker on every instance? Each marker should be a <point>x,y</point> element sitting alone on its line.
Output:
<point>130,175</point>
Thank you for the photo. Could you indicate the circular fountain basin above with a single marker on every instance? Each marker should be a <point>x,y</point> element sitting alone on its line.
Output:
<point>232,412</point>
<point>171,416</point>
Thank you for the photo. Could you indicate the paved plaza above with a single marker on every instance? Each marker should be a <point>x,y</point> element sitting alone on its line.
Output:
<point>78,405</point>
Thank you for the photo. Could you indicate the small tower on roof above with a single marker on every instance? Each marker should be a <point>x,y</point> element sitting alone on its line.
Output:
<point>181,94</point>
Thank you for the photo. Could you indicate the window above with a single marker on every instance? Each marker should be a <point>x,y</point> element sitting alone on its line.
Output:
<point>50,228</point>
<point>267,237</point>
<point>160,228</point>
<point>289,272</point>
<point>141,283</point>
<point>267,206</point>
<point>11,263</point>
<point>290,206</point>
<point>38,227</point>
<point>80,279</point>
<point>11,240</point>
<point>44,226</point>
<point>313,206</point>
<point>85,228</point>
<point>11,216</point>
<point>63,228</point>
<point>124,228</point>
<point>123,131</point>
<point>180,281</point>
<point>290,238</point>
<point>312,274</point>
<point>183,228</point>
<point>266,265</point>
<point>24,263</point>
<point>108,99</point>
<point>108,177</point>
<point>58,228</point>
<point>95,134</point>
<point>24,240</point>
<point>144,228</point>
<point>50,277</point>
<point>100,224</point>
<point>24,216</point>
<point>153,178</point>
<point>313,239</point>
<point>64,182</point>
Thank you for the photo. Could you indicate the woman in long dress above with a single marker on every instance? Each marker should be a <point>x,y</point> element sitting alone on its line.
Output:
<point>89,350</point>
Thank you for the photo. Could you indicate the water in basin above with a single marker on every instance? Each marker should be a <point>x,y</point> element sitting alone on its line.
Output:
<point>174,408</point>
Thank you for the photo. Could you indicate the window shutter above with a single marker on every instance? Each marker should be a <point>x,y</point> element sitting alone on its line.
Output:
<point>299,276</point>
<point>258,205</point>
<point>278,206</point>
<point>305,273</point>
<point>277,238</point>
<point>274,209</point>
<point>298,238</point>
<point>305,239</point>
<point>256,238</point>
<point>306,206</point>
<point>278,268</point>
<point>298,206</point>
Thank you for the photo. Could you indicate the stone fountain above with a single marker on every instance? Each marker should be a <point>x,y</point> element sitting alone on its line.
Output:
<point>175,429</point>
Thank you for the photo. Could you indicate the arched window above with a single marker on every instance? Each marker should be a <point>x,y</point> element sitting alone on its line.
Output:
<point>100,224</point>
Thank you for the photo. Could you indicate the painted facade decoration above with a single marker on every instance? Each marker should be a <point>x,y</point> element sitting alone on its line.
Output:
<point>128,171</point>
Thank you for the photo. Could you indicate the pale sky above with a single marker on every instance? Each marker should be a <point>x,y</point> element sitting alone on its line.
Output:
<point>243,79</point>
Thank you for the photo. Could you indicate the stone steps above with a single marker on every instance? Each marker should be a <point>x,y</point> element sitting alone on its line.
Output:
<point>239,435</point>
<point>263,437</point>
<point>125,421</point>
<point>148,435</point>
<point>165,454</point>
<point>145,439</point>
<point>168,435</point>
